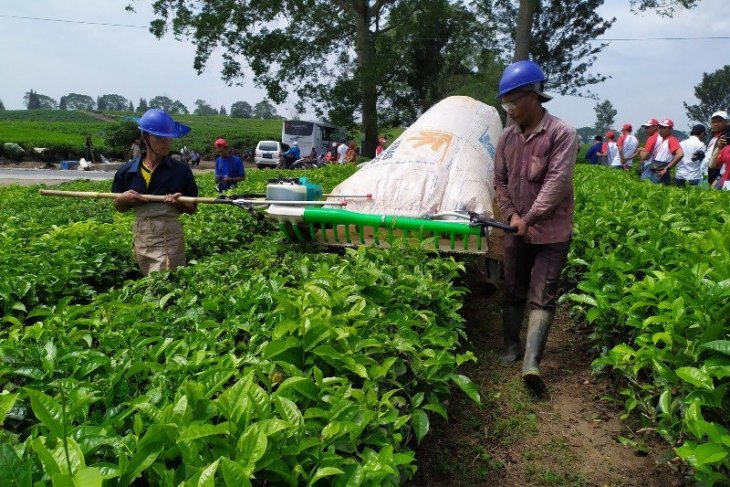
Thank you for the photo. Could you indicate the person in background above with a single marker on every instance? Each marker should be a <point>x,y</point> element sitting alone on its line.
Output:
<point>313,154</point>
<point>690,168</point>
<point>194,158</point>
<point>341,151</point>
<point>651,127</point>
<point>533,179</point>
<point>135,150</point>
<point>158,239</point>
<point>229,169</point>
<point>628,146</point>
<point>721,160</point>
<point>185,155</point>
<point>381,146</point>
<point>351,154</point>
<point>293,154</point>
<point>667,154</point>
<point>718,123</point>
<point>592,152</point>
<point>610,151</point>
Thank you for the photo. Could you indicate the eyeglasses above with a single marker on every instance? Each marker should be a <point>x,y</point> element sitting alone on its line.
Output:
<point>511,105</point>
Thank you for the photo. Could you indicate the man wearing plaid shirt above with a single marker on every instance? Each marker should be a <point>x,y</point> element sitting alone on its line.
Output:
<point>533,179</point>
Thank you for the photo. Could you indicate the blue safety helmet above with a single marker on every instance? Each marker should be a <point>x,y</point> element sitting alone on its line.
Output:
<point>158,122</point>
<point>523,74</point>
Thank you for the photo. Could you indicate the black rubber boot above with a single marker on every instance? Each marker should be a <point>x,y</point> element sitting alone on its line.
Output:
<point>512,316</point>
<point>538,327</point>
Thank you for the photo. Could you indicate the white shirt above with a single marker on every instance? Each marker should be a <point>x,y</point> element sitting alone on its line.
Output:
<point>341,150</point>
<point>612,154</point>
<point>630,145</point>
<point>663,152</point>
<point>710,148</point>
<point>688,169</point>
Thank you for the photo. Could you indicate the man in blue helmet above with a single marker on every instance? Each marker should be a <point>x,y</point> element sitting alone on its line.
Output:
<point>533,178</point>
<point>159,242</point>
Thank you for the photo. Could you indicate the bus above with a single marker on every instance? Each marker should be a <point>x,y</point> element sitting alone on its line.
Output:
<point>319,135</point>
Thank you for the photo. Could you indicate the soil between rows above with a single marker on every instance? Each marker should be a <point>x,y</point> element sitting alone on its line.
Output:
<point>570,438</point>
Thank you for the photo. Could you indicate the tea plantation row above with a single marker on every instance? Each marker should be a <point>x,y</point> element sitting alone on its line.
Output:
<point>652,268</point>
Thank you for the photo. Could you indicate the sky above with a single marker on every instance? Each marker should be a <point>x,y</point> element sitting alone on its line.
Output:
<point>649,78</point>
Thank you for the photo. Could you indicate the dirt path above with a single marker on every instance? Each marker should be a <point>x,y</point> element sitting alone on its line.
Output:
<point>570,439</point>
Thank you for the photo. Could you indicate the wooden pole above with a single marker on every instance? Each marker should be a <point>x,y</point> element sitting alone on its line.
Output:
<point>187,199</point>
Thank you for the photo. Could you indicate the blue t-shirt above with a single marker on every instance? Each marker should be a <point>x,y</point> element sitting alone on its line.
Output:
<point>592,153</point>
<point>294,151</point>
<point>230,166</point>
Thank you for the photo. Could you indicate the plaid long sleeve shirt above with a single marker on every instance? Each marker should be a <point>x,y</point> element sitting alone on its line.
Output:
<point>533,177</point>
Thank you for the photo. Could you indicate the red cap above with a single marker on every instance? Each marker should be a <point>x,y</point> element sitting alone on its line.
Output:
<point>650,123</point>
<point>666,123</point>
<point>627,126</point>
<point>221,143</point>
<point>610,134</point>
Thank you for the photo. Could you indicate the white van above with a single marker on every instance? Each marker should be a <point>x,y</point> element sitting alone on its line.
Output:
<point>319,135</point>
<point>267,153</point>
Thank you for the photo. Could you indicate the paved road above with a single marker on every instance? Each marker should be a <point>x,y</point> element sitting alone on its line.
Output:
<point>54,174</point>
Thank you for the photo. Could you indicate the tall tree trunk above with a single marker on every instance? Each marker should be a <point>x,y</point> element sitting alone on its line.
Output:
<point>364,45</point>
<point>524,29</point>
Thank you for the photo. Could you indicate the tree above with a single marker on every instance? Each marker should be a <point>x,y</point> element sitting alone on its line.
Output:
<point>523,32</point>
<point>713,92</point>
<point>120,135</point>
<point>264,110</point>
<point>241,109</point>
<point>162,102</point>
<point>113,103</point>
<point>75,101</point>
<point>222,111</point>
<point>142,107</point>
<point>2,107</point>
<point>168,105</point>
<point>285,45</point>
<point>62,104</point>
<point>177,107</point>
<point>130,108</point>
<point>605,116</point>
<point>36,101</point>
<point>562,29</point>
<point>665,8</point>
<point>586,134</point>
<point>434,48</point>
<point>100,105</point>
<point>558,39</point>
<point>203,108</point>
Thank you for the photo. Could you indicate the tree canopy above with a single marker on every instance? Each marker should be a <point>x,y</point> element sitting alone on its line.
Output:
<point>241,109</point>
<point>112,103</point>
<point>264,110</point>
<point>169,105</point>
<point>713,93</point>
<point>203,108</point>
<point>76,101</point>
<point>605,116</point>
<point>664,8</point>
<point>561,31</point>
<point>36,101</point>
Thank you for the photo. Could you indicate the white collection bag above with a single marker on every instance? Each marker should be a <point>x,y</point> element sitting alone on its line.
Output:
<point>443,162</point>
